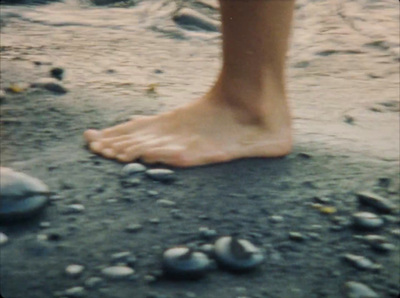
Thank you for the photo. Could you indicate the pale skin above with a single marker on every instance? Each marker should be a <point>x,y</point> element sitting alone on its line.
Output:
<point>245,114</point>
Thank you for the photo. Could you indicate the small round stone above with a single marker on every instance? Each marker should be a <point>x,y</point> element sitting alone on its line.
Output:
<point>367,220</point>
<point>296,236</point>
<point>133,168</point>
<point>276,218</point>
<point>358,290</point>
<point>163,175</point>
<point>207,233</point>
<point>74,270</point>
<point>182,262</point>
<point>3,239</point>
<point>237,254</point>
<point>361,262</point>
<point>117,272</point>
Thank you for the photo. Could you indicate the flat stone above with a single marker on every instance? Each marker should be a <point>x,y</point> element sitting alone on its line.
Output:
<point>296,236</point>
<point>361,262</point>
<point>74,209</point>
<point>3,239</point>
<point>117,272</point>
<point>93,282</point>
<point>207,233</point>
<point>276,218</point>
<point>367,220</point>
<point>74,270</point>
<point>358,290</point>
<point>75,292</point>
<point>133,168</point>
<point>50,84</point>
<point>377,242</point>
<point>376,201</point>
<point>120,256</point>
<point>163,175</point>
<point>193,20</point>
<point>133,228</point>
<point>165,203</point>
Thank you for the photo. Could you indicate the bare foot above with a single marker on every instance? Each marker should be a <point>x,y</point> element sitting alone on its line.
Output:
<point>210,130</point>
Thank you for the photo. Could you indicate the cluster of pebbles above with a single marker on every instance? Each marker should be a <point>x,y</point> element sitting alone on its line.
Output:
<point>231,253</point>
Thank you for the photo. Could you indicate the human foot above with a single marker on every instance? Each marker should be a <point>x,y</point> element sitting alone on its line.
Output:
<point>209,130</point>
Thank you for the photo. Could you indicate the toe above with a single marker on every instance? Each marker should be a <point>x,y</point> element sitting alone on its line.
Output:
<point>108,153</point>
<point>167,155</point>
<point>96,147</point>
<point>91,135</point>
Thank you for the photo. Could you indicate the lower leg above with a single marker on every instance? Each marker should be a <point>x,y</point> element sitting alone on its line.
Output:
<point>245,114</point>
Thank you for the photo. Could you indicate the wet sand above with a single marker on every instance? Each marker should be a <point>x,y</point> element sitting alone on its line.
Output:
<point>343,86</point>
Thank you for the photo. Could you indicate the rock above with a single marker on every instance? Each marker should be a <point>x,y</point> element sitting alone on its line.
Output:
<point>74,209</point>
<point>44,225</point>
<point>117,272</point>
<point>152,193</point>
<point>120,256</point>
<point>93,282</point>
<point>22,196</point>
<point>133,228</point>
<point>379,203</point>
<point>154,221</point>
<point>358,290</point>
<point>75,292</point>
<point>50,84</point>
<point>183,263</point>
<point>133,168</point>
<point>395,232</point>
<point>193,20</point>
<point>367,221</point>
<point>163,175</point>
<point>207,233</point>
<point>2,95</point>
<point>207,248</point>
<point>276,218</point>
<point>361,262</point>
<point>74,270</point>
<point>3,239</point>
<point>165,203</point>
<point>57,73</point>
<point>377,242</point>
<point>296,236</point>
<point>237,254</point>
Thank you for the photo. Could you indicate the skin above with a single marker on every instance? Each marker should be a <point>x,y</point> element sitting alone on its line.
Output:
<point>245,113</point>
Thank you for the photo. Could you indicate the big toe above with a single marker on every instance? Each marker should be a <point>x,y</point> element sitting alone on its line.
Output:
<point>91,135</point>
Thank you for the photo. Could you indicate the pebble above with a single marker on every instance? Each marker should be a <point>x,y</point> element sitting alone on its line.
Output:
<point>153,193</point>
<point>237,254</point>
<point>184,263</point>
<point>296,236</point>
<point>207,233</point>
<point>395,232</point>
<point>165,203</point>
<point>3,239</point>
<point>93,282</point>
<point>117,272</point>
<point>163,175</point>
<point>149,278</point>
<point>361,262</point>
<point>133,228</point>
<point>133,168</point>
<point>2,95</point>
<point>154,220</point>
<point>75,292</point>
<point>74,270</point>
<point>120,256</point>
<point>207,248</point>
<point>379,203</point>
<point>74,209</point>
<point>44,225</point>
<point>193,20</point>
<point>50,84</point>
<point>176,213</point>
<point>367,220</point>
<point>276,218</point>
<point>57,73</point>
<point>377,242</point>
<point>22,196</point>
<point>358,290</point>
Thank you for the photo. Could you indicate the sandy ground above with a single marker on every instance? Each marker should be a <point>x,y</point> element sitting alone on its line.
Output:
<point>343,84</point>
